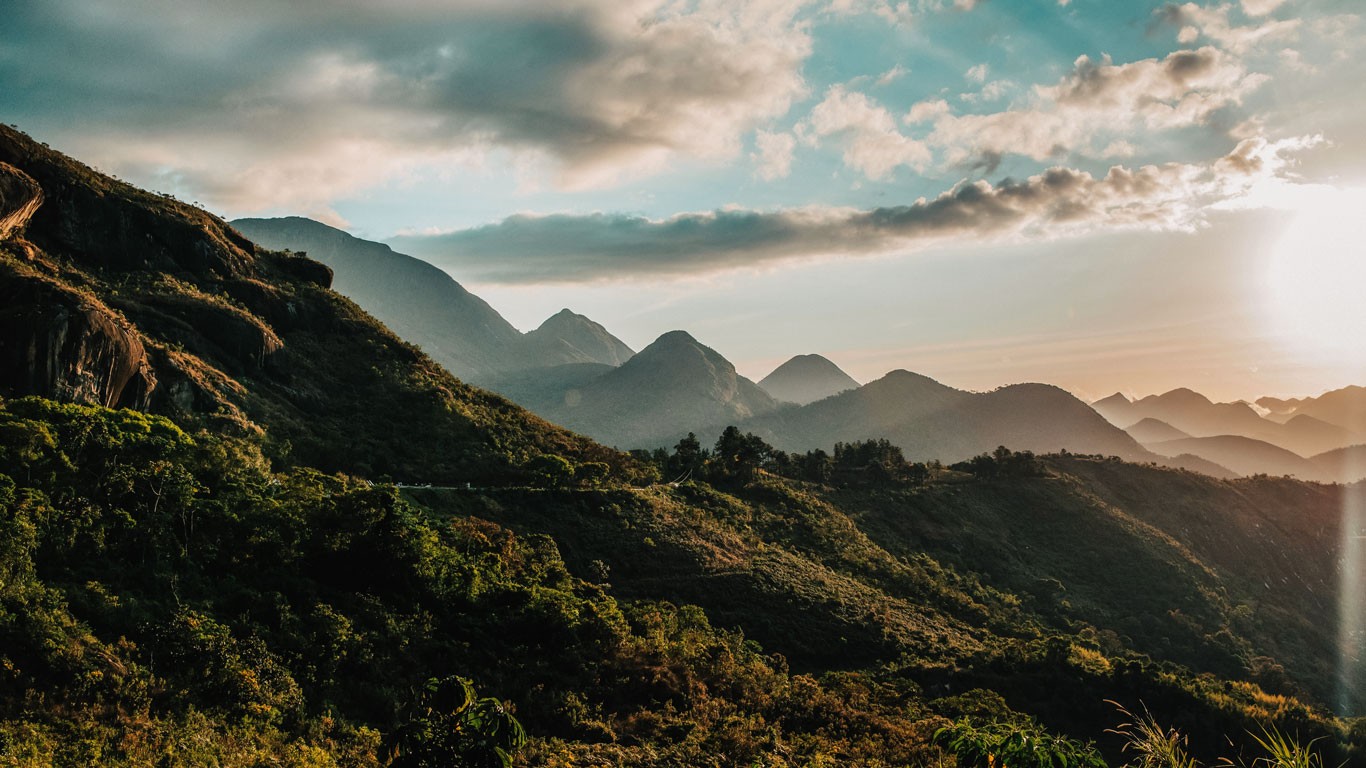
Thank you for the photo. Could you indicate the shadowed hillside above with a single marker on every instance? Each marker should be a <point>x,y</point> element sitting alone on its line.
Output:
<point>114,295</point>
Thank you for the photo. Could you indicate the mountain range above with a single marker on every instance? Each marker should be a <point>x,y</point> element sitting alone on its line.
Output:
<point>425,306</point>
<point>1288,440</point>
<point>218,572</point>
<point>561,371</point>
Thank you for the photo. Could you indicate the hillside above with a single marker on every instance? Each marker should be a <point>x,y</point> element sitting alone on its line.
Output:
<point>1243,455</point>
<point>117,296</point>
<point>1348,463</point>
<point>417,301</point>
<point>806,379</point>
<point>219,574</point>
<point>1151,430</point>
<point>426,307</point>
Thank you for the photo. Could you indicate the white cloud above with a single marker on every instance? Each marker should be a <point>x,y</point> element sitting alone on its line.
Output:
<point>926,110</point>
<point>872,144</point>
<point>895,73</point>
<point>977,73</point>
<point>1261,7</point>
<point>1214,23</point>
<point>773,158</point>
<point>1098,99</point>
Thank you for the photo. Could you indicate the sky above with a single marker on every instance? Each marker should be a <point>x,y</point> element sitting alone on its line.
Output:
<point>1107,196</point>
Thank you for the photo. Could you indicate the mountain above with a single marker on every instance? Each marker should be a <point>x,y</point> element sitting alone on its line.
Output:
<point>1308,436</point>
<point>221,575</point>
<point>1346,465</point>
<point>674,386</point>
<point>1186,410</point>
<point>1345,407</point>
<point>1243,455</point>
<point>806,379</point>
<point>426,307</point>
<point>929,420</point>
<point>111,295</point>
<point>1195,415</point>
<point>416,300</point>
<point>1116,408</point>
<point>1153,431</point>
<point>566,337</point>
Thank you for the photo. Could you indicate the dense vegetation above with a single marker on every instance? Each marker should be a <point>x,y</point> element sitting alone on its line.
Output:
<point>168,597</point>
<point>238,584</point>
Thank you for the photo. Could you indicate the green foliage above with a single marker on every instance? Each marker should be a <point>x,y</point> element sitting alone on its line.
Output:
<point>1014,745</point>
<point>454,727</point>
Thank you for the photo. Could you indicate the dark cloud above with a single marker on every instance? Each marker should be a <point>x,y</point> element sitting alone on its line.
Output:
<point>345,94</point>
<point>1054,203</point>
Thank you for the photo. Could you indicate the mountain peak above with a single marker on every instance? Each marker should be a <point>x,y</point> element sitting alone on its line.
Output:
<point>1181,395</point>
<point>806,379</point>
<point>568,337</point>
<point>1118,398</point>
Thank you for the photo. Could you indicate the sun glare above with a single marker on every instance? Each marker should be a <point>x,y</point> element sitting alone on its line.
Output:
<point>1317,275</point>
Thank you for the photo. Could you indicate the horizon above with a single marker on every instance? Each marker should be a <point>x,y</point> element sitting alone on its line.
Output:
<point>1102,198</point>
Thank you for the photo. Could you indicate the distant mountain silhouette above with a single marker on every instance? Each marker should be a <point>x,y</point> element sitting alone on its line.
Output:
<point>1344,407</point>
<point>929,420</point>
<point>418,301</point>
<point>1196,416</point>
<point>425,306</point>
<point>1154,431</point>
<point>1243,455</point>
<point>567,337</point>
<point>1187,410</point>
<point>674,386</point>
<point>1309,436</point>
<point>1346,465</point>
<point>806,379</point>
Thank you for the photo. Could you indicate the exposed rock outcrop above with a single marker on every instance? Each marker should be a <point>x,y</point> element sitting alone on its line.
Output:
<point>58,343</point>
<point>20,197</point>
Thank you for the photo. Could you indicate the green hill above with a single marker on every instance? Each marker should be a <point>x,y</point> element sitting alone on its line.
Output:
<point>218,574</point>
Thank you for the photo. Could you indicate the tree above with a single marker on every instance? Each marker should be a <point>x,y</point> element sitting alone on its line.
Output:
<point>452,727</point>
<point>688,458</point>
<point>551,470</point>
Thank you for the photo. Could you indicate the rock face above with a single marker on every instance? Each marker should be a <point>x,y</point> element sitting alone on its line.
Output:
<point>58,344</point>
<point>114,295</point>
<point>20,197</point>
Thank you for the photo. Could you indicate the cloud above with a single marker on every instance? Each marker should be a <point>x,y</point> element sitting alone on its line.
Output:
<point>1213,22</point>
<point>892,75</point>
<point>1058,202</point>
<point>1099,99</point>
<point>334,97</point>
<point>1261,7</point>
<point>773,155</point>
<point>977,74</point>
<point>868,132</point>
